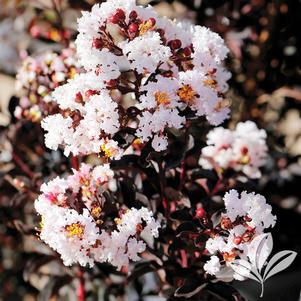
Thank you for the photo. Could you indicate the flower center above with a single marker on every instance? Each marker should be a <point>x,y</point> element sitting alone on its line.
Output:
<point>229,256</point>
<point>245,159</point>
<point>162,98</point>
<point>109,152</point>
<point>145,27</point>
<point>75,229</point>
<point>186,93</point>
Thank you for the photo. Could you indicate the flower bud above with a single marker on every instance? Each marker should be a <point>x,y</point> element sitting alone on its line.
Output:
<point>175,44</point>
<point>161,32</point>
<point>244,150</point>
<point>78,97</point>
<point>152,21</point>
<point>133,15</point>
<point>113,19</point>
<point>200,213</point>
<point>120,13</point>
<point>133,28</point>
<point>187,51</point>
<point>97,43</point>
<point>237,240</point>
<point>117,17</point>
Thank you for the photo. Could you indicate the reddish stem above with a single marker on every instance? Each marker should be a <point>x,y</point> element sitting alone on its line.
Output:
<point>81,287</point>
<point>162,179</point>
<point>74,162</point>
<point>22,165</point>
<point>184,259</point>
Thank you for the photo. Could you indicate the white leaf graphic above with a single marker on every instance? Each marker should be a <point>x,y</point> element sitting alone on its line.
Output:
<point>280,266</point>
<point>264,250</point>
<point>260,249</point>
<point>244,269</point>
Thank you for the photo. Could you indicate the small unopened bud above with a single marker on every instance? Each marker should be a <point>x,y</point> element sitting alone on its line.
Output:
<point>187,51</point>
<point>200,213</point>
<point>78,97</point>
<point>175,44</point>
<point>244,150</point>
<point>161,32</point>
<point>113,19</point>
<point>133,15</point>
<point>97,43</point>
<point>133,28</point>
<point>152,21</point>
<point>237,240</point>
<point>120,13</point>
<point>117,17</point>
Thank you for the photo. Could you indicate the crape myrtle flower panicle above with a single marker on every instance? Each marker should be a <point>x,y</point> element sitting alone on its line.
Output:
<point>243,149</point>
<point>246,217</point>
<point>134,58</point>
<point>38,76</point>
<point>74,225</point>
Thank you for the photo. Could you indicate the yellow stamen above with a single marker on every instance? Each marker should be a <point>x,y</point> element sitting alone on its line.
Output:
<point>72,72</point>
<point>117,220</point>
<point>42,223</point>
<point>145,27</point>
<point>186,93</point>
<point>96,211</point>
<point>245,159</point>
<point>162,98</point>
<point>107,151</point>
<point>75,229</point>
<point>210,82</point>
<point>137,141</point>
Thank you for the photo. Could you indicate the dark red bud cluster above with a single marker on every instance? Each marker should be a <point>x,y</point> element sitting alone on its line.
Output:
<point>119,16</point>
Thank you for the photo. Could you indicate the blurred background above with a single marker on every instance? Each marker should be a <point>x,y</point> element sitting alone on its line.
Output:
<point>265,61</point>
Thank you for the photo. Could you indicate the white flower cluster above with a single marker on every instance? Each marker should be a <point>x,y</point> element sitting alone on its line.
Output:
<point>246,217</point>
<point>38,77</point>
<point>135,59</point>
<point>71,211</point>
<point>243,149</point>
